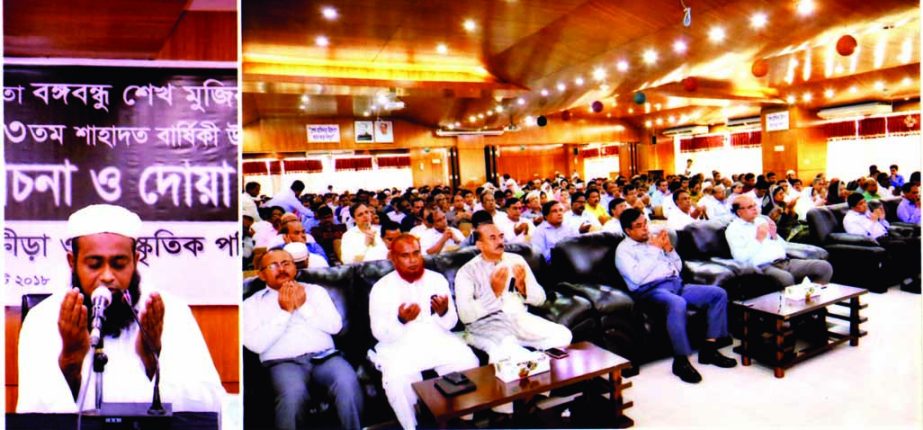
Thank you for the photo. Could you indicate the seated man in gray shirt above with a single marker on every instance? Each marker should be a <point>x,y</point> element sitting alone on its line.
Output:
<point>651,267</point>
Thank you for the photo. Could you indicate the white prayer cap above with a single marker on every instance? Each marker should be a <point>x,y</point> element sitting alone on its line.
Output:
<point>96,219</point>
<point>298,250</point>
<point>790,172</point>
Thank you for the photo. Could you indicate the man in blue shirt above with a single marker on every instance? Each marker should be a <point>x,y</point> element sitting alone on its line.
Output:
<point>897,181</point>
<point>909,208</point>
<point>552,230</point>
<point>651,267</point>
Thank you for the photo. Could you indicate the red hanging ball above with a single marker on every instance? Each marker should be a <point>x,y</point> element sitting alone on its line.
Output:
<point>690,84</point>
<point>565,115</point>
<point>846,45</point>
<point>760,68</point>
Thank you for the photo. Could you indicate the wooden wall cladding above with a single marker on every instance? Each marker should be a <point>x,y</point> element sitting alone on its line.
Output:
<point>523,163</point>
<point>202,36</point>
<point>219,325</point>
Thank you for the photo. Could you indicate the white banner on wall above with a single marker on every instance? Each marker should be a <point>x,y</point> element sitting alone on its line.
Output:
<point>323,133</point>
<point>173,255</point>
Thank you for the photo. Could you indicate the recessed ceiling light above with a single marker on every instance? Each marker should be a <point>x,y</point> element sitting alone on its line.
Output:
<point>329,13</point>
<point>544,92</point>
<point>679,47</point>
<point>578,81</point>
<point>469,25</point>
<point>648,124</point>
<point>520,101</point>
<point>791,100</point>
<point>451,126</point>
<point>758,20</point>
<point>472,118</point>
<point>305,98</point>
<point>672,119</point>
<point>828,94</point>
<point>321,41</point>
<point>853,89</point>
<point>529,121</point>
<point>649,56</point>
<point>366,113</point>
<point>879,85</point>
<point>807,97</point>
<point>906,81</point>
<point>599,73</point>
<point>561,86</point>
<point>480,116</point>
<point>631,110</point>
<point>442,49</point>
<point>659,121</point>
<point>490,112</point>
<point>716,34</point>
<point>498,109</point>
<point>805,7</point>
<point>622,66</point>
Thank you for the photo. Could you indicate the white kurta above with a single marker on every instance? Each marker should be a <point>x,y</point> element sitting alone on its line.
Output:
<point>353,248</point>
<point>430,237</point>
<point>405,350</point>
<point>509,231</point>
<point>188,378</point>
<point>499,325</point>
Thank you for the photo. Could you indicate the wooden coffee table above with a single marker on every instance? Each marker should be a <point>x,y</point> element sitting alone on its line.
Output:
<point>779,312</point>
<point>585,362</point>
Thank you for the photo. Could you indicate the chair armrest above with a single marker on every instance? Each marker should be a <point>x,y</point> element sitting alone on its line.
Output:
<point>851,239</point>
<point>736,267</point>
<point>568,311</point>
<point>803,251</point>
<point>605,299</point>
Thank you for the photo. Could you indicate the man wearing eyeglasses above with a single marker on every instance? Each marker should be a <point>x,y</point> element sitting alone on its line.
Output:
<point>754,242</point>
<point>290,325</point>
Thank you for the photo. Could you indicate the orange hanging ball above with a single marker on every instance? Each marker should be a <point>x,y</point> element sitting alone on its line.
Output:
<point>760,68</point>
<point>846,45</point>
<point>690,84</point>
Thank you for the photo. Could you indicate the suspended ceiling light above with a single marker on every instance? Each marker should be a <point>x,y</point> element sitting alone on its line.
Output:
<point>622,66</point>
<point>716,34</point>
<point>329,13</point>
<point>758,20</point>
<point>805,7</point>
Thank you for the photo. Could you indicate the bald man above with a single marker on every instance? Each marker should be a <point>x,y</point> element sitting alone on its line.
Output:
<point>754,242</point>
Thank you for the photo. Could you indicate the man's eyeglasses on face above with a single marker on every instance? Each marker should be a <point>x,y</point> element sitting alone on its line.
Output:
<point>274,267</point>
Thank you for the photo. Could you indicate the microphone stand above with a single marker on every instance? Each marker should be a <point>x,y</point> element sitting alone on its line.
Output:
<point>156,407</point>
<point>99,364</point>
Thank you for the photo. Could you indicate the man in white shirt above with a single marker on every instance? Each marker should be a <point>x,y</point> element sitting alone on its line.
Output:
<point>517,229</point>
<point>754,242</point>
<point>903,251</point>
<point>685,213</point>
<point>411,313</point>
<point>290,202</point>
<point>290,324</point>
<point>579,218</point>
<point>440,237</point>
<point>248,205</point>
<point>859,221</point>
<point>616,207</point>
<point>714,202</point>
<point>55,354</point>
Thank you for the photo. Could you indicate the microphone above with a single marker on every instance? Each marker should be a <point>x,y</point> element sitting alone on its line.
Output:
<point>101,299</point>
<point>156,405</point>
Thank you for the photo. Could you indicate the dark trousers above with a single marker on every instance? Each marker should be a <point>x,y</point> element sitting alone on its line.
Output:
<point>674,298</point>
<point>291,379</point>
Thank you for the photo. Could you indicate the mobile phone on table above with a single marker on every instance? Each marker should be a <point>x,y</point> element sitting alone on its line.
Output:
<point>556,353</point>
<point>456,378</point>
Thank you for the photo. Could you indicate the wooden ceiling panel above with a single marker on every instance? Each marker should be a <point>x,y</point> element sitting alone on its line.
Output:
<point>89,29</point>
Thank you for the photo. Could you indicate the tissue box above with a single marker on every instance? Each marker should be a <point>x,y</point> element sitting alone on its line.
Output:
<point>801,292</point>
<point>511,369</point>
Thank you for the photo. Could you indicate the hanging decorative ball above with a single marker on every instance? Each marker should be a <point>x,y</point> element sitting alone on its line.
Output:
<point>760,68</point>
<point>846,45</point>
<point>565,115</point>
<point>597,106</point>
<point>541,121</point>
<point>690,84</point>
<point>640,98</point>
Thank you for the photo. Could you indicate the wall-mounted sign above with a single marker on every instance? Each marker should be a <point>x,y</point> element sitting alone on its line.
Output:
<point>777,121</point>
<point>364,131</point>
<point>384,132</point>
<point>323,133</point>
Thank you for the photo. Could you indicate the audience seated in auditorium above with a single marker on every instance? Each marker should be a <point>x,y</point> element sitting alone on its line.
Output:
<point>359,240</point>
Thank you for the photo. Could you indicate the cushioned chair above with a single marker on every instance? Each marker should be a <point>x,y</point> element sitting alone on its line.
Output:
<point>856,260</point>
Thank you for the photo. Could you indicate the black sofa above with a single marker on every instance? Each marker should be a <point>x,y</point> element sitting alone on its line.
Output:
<point>585,266</point>
<point>349,287</point>
<point>858,260</point>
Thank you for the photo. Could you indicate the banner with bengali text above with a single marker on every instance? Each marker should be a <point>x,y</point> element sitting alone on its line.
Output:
<point>162,142</point>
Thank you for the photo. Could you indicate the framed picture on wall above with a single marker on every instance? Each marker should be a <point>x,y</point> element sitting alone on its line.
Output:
<point>384,132</point>
<point>364,131</point>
